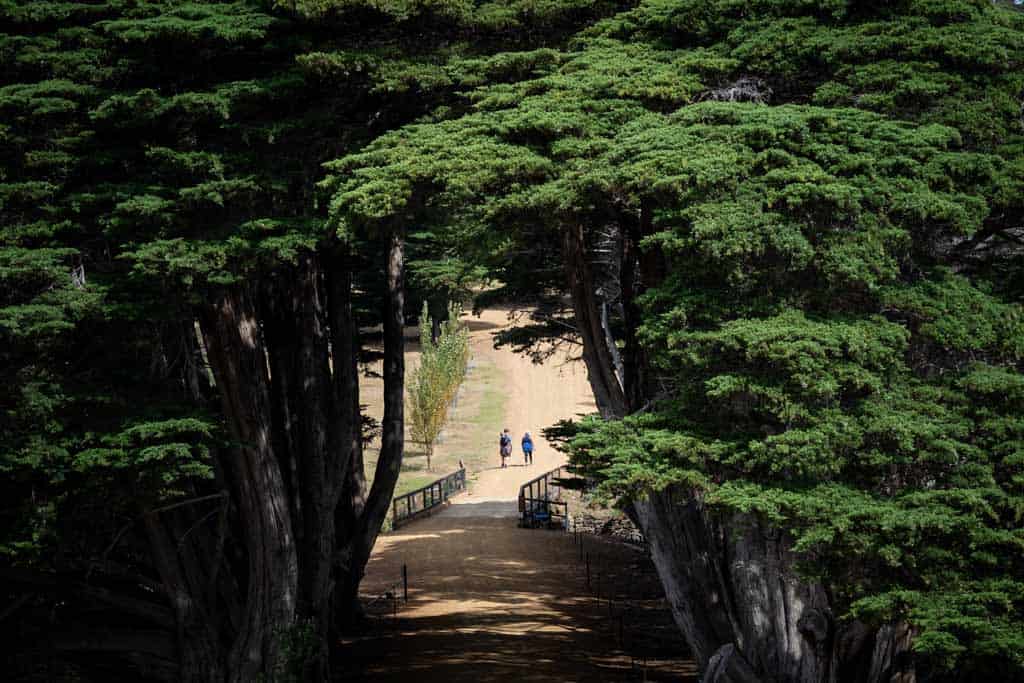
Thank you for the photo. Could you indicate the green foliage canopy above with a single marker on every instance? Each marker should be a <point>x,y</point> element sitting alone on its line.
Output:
<point>836,346</point>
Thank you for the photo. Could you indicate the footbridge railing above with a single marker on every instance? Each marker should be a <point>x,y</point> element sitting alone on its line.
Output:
<point>409,506</point>
<point>540,502</point>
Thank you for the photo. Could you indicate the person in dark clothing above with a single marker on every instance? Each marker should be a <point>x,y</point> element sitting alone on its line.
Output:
<point>505,446</point>
<point>527,449</point>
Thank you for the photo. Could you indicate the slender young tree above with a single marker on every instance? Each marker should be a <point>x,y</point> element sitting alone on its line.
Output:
<point>442,367</point>
<point>182,441</point>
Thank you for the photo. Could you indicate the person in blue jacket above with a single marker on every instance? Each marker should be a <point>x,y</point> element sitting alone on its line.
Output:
<point>527,449</point>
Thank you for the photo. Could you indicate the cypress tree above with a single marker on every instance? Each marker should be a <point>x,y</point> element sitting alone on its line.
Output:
<point>184,487</point>
<point>790,234</point>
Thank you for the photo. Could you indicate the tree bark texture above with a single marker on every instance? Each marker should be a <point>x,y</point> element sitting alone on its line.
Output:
<point>745,612</point>
<point>304,391</point>
<point>600,362</point>
<point>392,447</point>
<point>189,585</point>
<point>309,420</point>
<point>348,513</point>
<point>254,478</point>
<point>638,271</point>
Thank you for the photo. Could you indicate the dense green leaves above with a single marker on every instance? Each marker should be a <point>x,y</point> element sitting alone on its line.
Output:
<point>830,193</point>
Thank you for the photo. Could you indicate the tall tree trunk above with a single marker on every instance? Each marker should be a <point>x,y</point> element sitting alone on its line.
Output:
<point>348,523</point>
<point>392,447</point>
<point>281,337</point>
<point>346,412</point>
<point>321,457</point>
<point>608,393</point>
<point>348,425</point>
<point>637,271</point>
<point>313,420</point>
<point>255,483</point>
<point>389,463</point>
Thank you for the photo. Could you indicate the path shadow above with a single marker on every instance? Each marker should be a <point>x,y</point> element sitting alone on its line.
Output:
<point>499,467</point>
<point>478,325</point>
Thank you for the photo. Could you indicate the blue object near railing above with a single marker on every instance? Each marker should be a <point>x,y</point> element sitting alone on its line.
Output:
<point>539,504</point>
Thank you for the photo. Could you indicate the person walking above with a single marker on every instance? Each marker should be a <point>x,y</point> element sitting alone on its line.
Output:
<point>505,446</point>
<point>527,449</point>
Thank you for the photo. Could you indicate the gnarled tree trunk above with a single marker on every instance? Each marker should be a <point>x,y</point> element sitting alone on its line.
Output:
<point>309,422</point>
<point>189,584</point>
<point>604,381</point>
<point>286,372</point>
<point>744,611</point>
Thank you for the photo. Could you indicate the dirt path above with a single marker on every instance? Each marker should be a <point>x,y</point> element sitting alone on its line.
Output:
<point>536,396</point>
<point>503,389</point>
<point>492,602</point>
<point>489,601</point>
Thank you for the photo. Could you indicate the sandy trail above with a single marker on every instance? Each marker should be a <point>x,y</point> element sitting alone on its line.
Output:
<point>538,396</point>
<point>534,397</point>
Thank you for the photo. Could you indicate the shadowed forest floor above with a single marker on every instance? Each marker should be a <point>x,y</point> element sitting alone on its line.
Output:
<point>489,601</point>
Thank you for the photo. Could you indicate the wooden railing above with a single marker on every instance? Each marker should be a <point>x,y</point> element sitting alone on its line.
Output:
<point>539,502</point>
<point>421,501</point>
